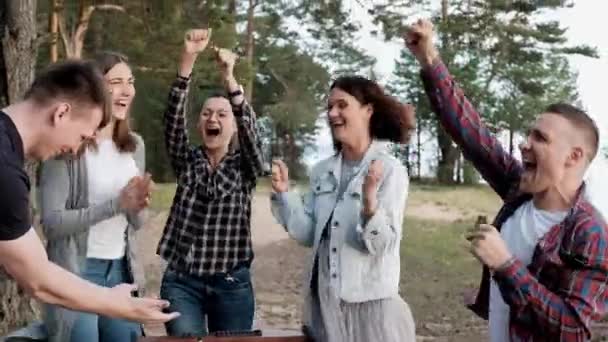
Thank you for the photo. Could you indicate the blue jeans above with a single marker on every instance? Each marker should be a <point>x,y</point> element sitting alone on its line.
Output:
<point>93,328</point>
<point>224,300</point>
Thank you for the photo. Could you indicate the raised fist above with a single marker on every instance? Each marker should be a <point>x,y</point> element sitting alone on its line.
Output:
<point>196,40</point>
<point>419,40</point>
<point>226,60</point>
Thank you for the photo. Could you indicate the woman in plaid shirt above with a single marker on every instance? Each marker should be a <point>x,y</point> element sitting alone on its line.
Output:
<point>207,240</point>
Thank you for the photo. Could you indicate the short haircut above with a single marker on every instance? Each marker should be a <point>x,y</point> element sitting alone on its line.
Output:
<point>72,80</point>
<point>581,120</point>
<point>218,93</point>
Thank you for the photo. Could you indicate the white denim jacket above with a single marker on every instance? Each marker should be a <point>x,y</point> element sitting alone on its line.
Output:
<point>364,256</point>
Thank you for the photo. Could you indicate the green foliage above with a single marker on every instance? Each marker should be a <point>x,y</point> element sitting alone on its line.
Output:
<point>510,63</point>
<point>289,77</point>
<point>332,35</point>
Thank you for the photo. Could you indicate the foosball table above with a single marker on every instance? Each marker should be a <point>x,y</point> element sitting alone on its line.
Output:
<point>238,336</point>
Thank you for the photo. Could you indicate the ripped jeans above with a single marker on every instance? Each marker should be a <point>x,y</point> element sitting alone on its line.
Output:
<point>218,302</point>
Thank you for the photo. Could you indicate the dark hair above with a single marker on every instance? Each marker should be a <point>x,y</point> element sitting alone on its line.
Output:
<point>581,120</point>
<point>72,80</point>
<point>391,120</point>
<point>217,93</point>
<point>122,137</point>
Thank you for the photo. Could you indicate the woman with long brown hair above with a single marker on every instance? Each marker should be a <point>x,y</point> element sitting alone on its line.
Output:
<point>352,218</point>
<point>91,206</point>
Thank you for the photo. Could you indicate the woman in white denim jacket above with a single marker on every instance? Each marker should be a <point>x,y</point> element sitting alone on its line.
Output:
<point>352,218</point>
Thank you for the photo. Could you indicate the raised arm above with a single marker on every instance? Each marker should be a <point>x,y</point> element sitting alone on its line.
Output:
<point>174,119</point>
<point>458,116</point>
<point>249,143</point>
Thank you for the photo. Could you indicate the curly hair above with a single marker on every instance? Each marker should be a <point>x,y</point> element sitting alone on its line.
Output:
<point>391,120</point>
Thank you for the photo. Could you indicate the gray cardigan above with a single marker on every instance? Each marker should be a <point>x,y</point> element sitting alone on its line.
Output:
<point>66,217</point>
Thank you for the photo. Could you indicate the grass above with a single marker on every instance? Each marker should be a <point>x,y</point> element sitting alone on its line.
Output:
<point>162,197</point>
<point>437,267</point>
<point>468,199</point>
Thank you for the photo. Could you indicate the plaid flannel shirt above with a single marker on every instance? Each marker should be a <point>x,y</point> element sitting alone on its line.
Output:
<point>563,290</point>
<point>208,229</point>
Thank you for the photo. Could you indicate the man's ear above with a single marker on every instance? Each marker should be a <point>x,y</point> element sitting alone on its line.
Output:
<point>60,113</point>
<point>370,109</point>
<point>575,156</point>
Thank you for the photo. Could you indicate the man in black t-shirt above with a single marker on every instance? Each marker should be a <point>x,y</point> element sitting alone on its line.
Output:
<point>65,106</point>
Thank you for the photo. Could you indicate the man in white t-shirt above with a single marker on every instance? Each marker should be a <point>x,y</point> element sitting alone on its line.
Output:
<point>546,255</point>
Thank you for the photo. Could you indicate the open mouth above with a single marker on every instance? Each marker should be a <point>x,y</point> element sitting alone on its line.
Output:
<point>529,165</point>
<point>336,124</point>
<point>121,104</point>
<point>213,132</point>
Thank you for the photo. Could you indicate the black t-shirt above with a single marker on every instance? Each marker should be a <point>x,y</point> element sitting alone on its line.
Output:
<point>14,183</point>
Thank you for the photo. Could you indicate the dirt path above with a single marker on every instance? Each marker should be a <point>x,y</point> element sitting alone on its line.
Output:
<point>278,271</point>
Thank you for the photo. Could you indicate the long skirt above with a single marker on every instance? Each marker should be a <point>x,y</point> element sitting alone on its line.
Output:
<point>329,319</point>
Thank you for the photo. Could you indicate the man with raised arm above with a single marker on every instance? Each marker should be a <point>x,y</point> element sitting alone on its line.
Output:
<point>545,257</point>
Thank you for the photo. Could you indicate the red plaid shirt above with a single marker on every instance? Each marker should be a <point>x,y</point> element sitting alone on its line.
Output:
<point>564,289</point>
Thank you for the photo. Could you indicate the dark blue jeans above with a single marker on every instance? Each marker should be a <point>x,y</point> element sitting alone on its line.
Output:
<point>93,328</point>
<point>219,302</point>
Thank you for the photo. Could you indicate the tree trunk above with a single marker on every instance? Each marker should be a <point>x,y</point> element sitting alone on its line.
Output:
<point>458,168</point>
<point>419,149</point>
<point>449,153</point>
<point>511,134</point>
<point>249,49</point>
<point>447,157</point>
<point>73,42</point>
<point>232,8</point>
<point>408,165</point>
<point>56,8</point>
<point>19,46</point>
<point>19,52</point>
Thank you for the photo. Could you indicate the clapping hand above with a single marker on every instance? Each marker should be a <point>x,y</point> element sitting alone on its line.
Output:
<point>370,187</point>
<point>280,176</point>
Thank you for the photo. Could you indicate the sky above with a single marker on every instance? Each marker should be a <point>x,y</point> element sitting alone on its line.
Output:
<point>586,23</point>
